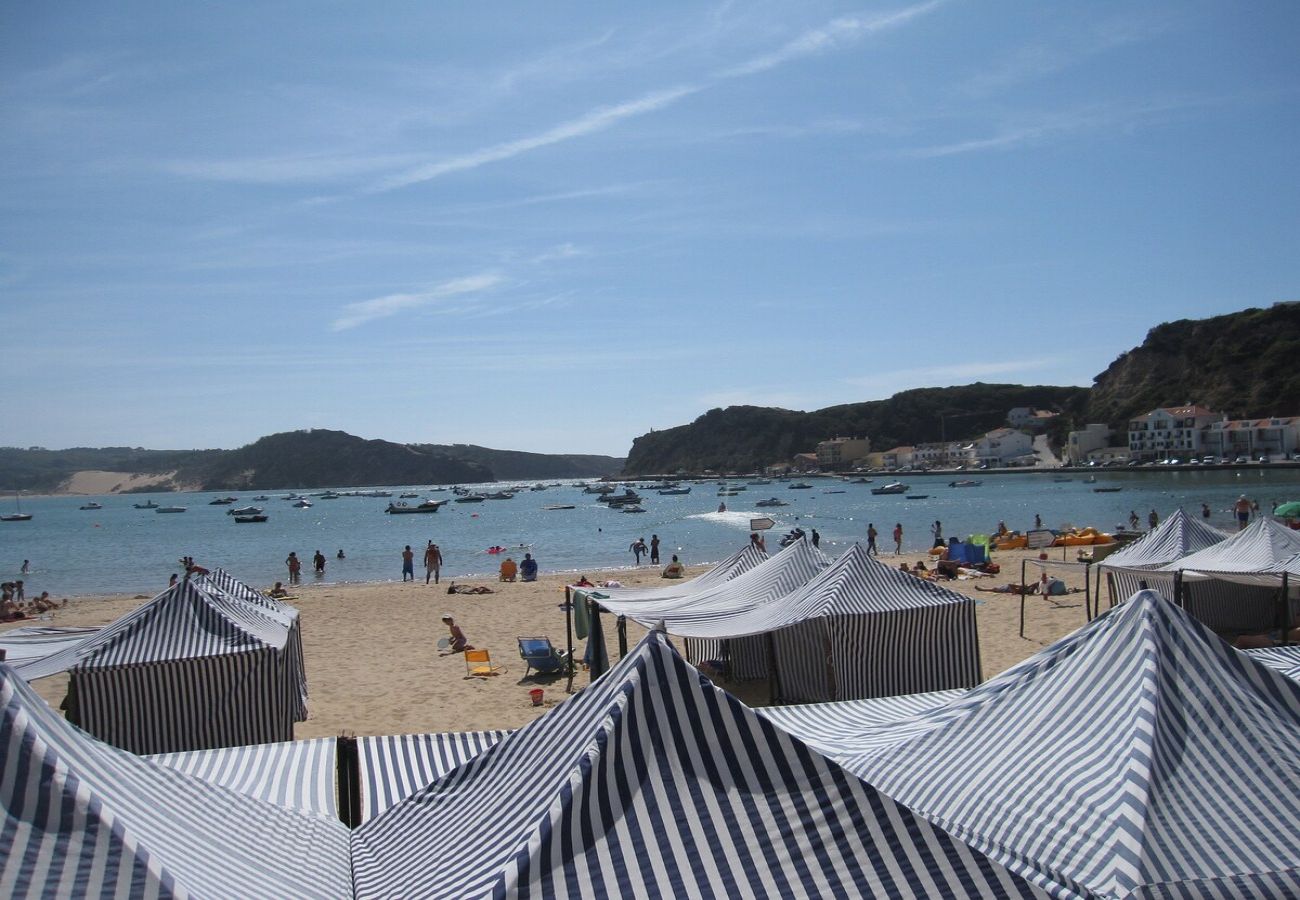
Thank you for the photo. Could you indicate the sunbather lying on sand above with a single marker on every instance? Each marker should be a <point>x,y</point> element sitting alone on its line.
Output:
<point>455,588</point>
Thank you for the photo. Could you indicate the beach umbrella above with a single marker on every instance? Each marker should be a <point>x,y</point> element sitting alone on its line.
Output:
<point>1288,510</point>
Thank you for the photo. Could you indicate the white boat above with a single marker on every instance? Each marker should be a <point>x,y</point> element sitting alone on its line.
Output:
<point>428,506</point>
<point>169,509</point>
<point>304,503</point>
<point>771,501</point>
<point>894,487</point>
<point>246,511</point>
<point>632,508</point>
<point>91,505</point>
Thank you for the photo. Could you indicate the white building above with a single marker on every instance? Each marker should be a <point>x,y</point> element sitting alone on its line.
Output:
<point>1252,438</point>
<point>1001,447</point>
<point>1169,432</point>
<point>1030,419</point>
<point>1081,443</point>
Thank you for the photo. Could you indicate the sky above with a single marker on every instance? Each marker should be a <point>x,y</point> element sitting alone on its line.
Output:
<point>557,226</point>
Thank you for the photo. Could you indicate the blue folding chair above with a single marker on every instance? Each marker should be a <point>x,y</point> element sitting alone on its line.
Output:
<point>540,656</point>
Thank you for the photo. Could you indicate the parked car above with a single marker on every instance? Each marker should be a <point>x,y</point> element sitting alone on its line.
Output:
<point>1241,460</point>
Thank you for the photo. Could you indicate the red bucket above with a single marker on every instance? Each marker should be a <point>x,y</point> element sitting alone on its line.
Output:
<point>536,695</point>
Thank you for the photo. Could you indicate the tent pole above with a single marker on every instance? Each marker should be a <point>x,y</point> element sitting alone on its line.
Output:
<point>568,627</point>
<point>622,636</point>
<point>1284,612</point>
<point>1087,590</point>
<point>773,682</point>
<point>1022,598</point>
<point>348,776</point>
<point>1178,589</point>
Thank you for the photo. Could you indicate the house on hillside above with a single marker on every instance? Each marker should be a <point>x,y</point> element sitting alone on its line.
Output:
<point>1030,419</point>
<point>841,453</point>
<point>805,462</point>
<point>1170,432</point>
<point>1252,438</point>
<point>1002,447</point>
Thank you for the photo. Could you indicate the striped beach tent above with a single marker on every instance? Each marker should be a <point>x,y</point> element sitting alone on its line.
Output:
<point>299,775</point>
<point>857,629</point>
<point>24,646</point>
<point>191,669</point>
<point>1285,659</point>
<point>84,819</point>
<point>765,583</point>
<point>629,599</point>
<point>1234,586</point>
<point>839,727</point>
<point>652,782</point>
<point>393,767</point>
<point>1139,756</point>
<point>1129,568</point>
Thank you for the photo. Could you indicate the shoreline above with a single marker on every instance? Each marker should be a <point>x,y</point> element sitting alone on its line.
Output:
<point>373,666</point>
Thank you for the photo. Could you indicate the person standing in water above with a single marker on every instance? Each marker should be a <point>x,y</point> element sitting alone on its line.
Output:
<point>294,564</point>
<point>871,539</point>
<point>898,538</point>
<point>654,549</point>
<point>432,562</point>
<point>408,563</point>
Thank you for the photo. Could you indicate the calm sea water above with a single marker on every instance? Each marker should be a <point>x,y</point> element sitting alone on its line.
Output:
<point>121,549</point>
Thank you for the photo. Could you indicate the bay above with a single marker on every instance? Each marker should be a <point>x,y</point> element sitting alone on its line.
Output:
<point>120,549</point>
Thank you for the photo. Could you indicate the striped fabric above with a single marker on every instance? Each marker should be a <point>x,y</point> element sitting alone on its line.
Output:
<point>1263,546</point>
<point>830,727</point>
<point>1139,755</point>
<point>83,819</point>
<point>191,669</point>
<point>1174,538</point>
<point>652,782</point>
<point>629,601</point>
<point>1283,659</point>
<point>25,646</point>
<point>393,767</point>
<point>297,775</point>
<point>859,628</point>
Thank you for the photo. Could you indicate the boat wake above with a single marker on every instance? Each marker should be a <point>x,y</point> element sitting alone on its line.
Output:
<point>734,518</point>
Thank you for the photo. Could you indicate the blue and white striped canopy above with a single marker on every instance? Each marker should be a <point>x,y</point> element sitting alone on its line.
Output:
<point>83,819</point>
<point>301,775</point>
<point>768,581</point>
<point>626,599</point>
<point>837,728</point>
<point>1285,659</point>
<point>1139,755</point>
<point>26,646</point>
<point>1172,539</point>
<point>194,668</point>
<point>652,782</point>
<point>1263,547</point>
<point>393,767</point>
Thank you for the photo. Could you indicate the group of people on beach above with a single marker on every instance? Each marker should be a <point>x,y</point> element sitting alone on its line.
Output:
<point>14,604</point>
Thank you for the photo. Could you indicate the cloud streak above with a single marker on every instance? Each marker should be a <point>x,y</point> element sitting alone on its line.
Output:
<point>364,311</point>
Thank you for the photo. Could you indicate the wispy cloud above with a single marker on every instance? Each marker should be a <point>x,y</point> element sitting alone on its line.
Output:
<point>834,35</point>
<point>364,311</point>
<point>563,251</point>
<point>597,120</point>
<point>289,169</point>
<point>831,36</point>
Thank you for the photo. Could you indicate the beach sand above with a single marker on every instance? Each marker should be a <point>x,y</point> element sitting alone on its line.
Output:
<point>373,666</point>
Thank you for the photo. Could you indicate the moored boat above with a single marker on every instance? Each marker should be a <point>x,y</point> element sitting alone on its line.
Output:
<point>428,506</point>
<point>246,511</point>
<point>149,504</point>
<point>169,509</point>
<point>245,520</point>
<point>91,505</point>
<point>894,487</point>
<point>771,501</point>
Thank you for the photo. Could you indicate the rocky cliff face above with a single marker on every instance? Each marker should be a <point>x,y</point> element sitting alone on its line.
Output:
<point>1244,364</point>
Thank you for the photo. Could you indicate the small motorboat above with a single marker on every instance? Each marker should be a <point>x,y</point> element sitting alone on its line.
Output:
<point>965,483</point>
<point>169,509</point>
<point>146,505</point>
<point>771,501</point>
<point>728,493</point>
<point>918,496</point>
<point>91,505</point>
<point>760,481</point>
<point>676,490</point>
<point>245,520</point>
<point>861,481</point>
<point>554,506</point>
<point>428,506</point>
<point>501,495</point>
<point>894,487</point>
<point>410,495</point>
<point>832,492</point>
<point>246,511</point>
<point>470,498</point>
<point>302,503</point>
<point>222,501</point>
<point>260,497</point>
<point>1107,490</point>
<point>800,486</point>
<point>632,508</point>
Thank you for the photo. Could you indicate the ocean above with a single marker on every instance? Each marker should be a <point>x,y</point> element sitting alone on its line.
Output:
<point>120,549</point>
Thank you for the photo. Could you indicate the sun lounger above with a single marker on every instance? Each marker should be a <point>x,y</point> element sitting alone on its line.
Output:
<point>540,655</point>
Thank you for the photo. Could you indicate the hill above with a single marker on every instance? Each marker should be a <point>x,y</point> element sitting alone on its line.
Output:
<point>747,438</point>
<point>1242,364</point>
<point>297,459</point>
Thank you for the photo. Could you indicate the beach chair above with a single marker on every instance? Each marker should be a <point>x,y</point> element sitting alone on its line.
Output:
<point>540,656</point>
<point>479,662</point>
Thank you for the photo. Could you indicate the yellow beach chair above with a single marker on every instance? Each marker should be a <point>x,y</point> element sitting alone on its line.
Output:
<point>479,662</point>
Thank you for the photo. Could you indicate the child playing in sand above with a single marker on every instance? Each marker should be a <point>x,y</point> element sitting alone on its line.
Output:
<point>458,641</point>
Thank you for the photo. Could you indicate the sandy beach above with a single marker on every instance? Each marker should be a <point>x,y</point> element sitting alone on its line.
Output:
<point>374,668</point>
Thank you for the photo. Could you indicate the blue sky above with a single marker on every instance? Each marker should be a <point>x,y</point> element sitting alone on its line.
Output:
<point>555,226</point>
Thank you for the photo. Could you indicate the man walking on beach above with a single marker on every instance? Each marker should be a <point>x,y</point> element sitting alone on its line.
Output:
<point>898,538</point>
<point>654,549</point>
<point>871,539</point>
<point>432,562</point>
<point>408,563</point>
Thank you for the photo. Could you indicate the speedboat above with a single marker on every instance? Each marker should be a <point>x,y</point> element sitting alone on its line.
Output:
<point>772,501</point>
<point>91,505</point>
<point>966,483</point>
<point>470,498</point>
<point>501,495</point>
<point>411,495</point>
<point>894,487</point>
<point>261,497</point>
<point>222,501</point>
<point>245,520</point>
<point>632,508</point>
<point>555,506</point>
<point>302,503</point>
<point>428,506</point>
<point>246,511</point>
<point>800,486</point>
<point>676,490</point>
